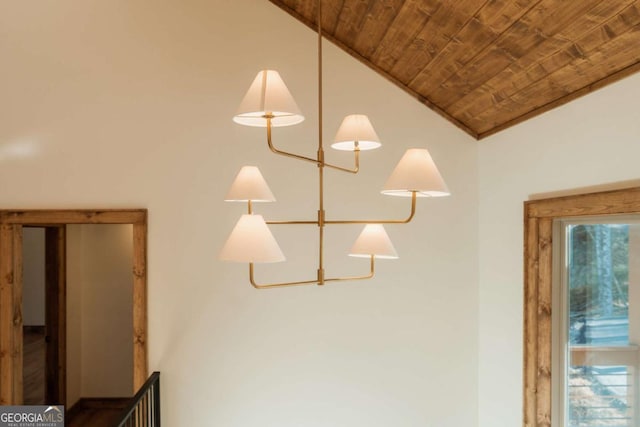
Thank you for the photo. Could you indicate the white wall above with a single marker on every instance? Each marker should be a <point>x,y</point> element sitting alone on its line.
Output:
<point>129,104</point>
<point>33,280</point>
<point>591,142</point>
<point>100,311</point>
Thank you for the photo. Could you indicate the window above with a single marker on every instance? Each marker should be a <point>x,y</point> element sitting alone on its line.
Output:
<point>544,361</point>
<point>596,301</point>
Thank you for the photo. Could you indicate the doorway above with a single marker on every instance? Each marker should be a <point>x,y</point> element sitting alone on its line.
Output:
<point>12,225</point>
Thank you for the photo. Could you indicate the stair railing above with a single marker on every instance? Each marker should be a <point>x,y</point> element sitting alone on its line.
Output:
<point>144,409</point>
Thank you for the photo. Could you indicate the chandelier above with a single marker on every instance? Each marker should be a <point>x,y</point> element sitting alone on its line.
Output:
<point>269,104</point>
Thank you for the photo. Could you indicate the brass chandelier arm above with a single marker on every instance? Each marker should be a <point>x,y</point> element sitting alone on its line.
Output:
<point>292,222</point>
<point>355,169</point>
<point>381,221</point>
<point>285,153</point>
<point>319,161</point>
<point>276,285</point>
<point>368,276</point>
<point>309,282</point>
<point>358,221</point>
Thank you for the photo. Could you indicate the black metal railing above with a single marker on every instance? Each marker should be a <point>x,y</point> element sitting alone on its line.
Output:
<point>144,409</point>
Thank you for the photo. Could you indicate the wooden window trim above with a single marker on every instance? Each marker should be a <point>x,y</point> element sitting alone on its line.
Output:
<point>539,216</point>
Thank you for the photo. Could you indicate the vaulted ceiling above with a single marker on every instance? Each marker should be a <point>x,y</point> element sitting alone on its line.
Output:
<point>485,65</point>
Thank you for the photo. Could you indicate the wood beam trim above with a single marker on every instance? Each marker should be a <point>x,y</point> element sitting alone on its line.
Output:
<point>530,344</point>
<point>73,216</point>
<point>543,322</point>
<point>140,328</point>
<point>6,315</point>
<point>603,203</point>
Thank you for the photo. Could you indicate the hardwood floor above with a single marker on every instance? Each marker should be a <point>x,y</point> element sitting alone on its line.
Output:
<point>95,412</point>
<point>34,363</point>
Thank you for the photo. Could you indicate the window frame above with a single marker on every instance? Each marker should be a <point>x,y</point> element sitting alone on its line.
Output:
<point>539,217</point>
<point>560,287</point>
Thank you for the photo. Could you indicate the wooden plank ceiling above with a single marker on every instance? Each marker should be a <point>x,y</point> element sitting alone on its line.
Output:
<point>486,65</point>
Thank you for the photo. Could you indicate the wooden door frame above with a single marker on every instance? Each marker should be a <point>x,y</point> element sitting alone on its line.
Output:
<point>11,223</point>
<point>539,216</point>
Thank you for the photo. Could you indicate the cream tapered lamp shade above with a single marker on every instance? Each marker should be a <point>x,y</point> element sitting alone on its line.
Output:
<point>268,96</point>
<point>417,172</point>
<point>251,241</point>
<point>356,129</point>
<point>373,241</point>
<point>249,185</point>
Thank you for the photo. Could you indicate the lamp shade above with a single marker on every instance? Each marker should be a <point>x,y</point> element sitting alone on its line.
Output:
<point>373,241</point>
<point>268,95</point>
<point>251,241</point>
<point>417,172</point>
<point>356,128</point>
<point>249,185</point>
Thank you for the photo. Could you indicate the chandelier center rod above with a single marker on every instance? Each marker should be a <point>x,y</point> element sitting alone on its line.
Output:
<point>321,214</point>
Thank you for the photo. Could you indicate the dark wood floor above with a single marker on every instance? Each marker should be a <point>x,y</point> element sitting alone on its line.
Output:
<point>33,368</point>
<point>96,412</point>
